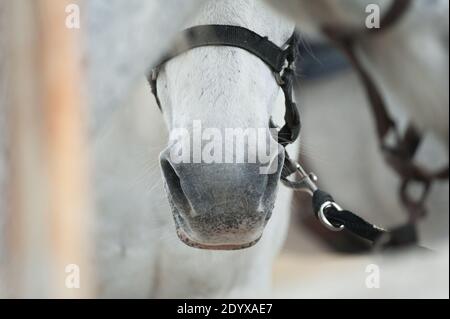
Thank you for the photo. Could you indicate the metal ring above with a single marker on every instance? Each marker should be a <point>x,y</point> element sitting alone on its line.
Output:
<point>154,74</point>
<point>278,78</point>
<point>324,220</point>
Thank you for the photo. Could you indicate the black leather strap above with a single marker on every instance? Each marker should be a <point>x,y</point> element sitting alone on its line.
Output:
<point>400,156</point>
<point>349,220</point>
<point>379,238</point>
<point>232,36</point>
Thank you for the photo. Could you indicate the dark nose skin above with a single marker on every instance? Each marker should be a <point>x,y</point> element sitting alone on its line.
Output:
<point>220,204</point>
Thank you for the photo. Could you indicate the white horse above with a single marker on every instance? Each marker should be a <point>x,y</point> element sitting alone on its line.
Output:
<point>138,244</point>
<point>138,253</point>
<point>139,249</point>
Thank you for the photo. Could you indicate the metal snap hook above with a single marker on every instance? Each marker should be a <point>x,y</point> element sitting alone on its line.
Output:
<point>278,78</point>
<point>323,219</point>
<point>306,183</point>
<point>154,74</point>
<point>279,75</point>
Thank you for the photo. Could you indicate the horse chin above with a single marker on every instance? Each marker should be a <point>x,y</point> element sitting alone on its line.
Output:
<point>190,238</point>
<point>184,237</point>
<point>217,216</point>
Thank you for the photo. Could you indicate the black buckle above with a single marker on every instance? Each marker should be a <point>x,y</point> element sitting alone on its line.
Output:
<point>288,65</point>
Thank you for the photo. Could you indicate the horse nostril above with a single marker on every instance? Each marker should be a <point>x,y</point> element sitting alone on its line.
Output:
<point>221,203</point>
<point>273,176</point>
<point>173,185</point>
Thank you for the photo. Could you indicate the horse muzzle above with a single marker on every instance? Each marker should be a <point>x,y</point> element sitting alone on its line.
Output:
<point>220,206</point>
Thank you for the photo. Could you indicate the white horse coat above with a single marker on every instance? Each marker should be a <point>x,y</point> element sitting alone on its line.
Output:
<point>137,251</point>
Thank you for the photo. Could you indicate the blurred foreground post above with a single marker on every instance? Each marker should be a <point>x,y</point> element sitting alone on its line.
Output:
<point>48,223</point>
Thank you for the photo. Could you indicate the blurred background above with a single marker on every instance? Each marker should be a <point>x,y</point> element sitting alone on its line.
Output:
<point>80,135</point>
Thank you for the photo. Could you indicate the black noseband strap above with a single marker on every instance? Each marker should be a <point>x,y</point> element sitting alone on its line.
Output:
<point>280,60</point>
<point>233,36</point>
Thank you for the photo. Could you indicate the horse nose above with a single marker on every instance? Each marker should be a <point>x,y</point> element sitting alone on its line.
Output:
<point>221,205</point>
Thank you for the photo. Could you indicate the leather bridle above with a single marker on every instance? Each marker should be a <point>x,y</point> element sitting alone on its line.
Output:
<point>281,61</point>
<point>399,154</point>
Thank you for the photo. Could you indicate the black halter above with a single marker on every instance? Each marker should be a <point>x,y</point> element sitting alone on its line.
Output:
<point>282,63</point>
<point>280,60</point>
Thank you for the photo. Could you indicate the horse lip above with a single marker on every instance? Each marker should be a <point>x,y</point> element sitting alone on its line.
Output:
<point>184,237</point>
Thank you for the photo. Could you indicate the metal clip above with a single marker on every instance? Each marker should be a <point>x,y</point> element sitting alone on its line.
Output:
<point>154,74</point>
<point>306,183</point>
<point>278,78</point>
<point>279,75</point>
<point>323,219</point>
